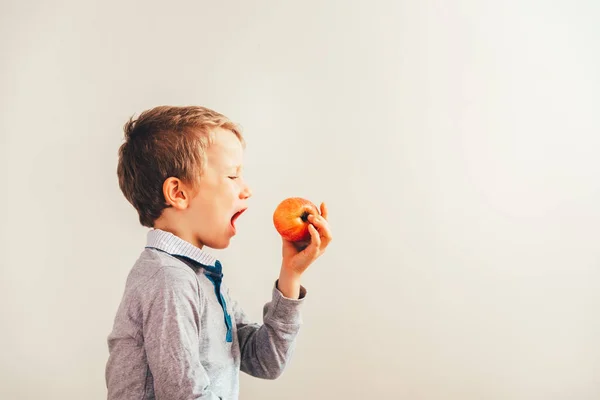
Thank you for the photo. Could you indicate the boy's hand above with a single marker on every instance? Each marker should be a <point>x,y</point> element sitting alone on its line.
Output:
<point>298,256</point>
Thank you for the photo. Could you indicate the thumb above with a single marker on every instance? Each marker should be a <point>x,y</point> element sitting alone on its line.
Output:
<point>287,247</point>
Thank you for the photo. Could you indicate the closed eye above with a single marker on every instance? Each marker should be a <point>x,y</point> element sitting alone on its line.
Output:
<point>233,177</point>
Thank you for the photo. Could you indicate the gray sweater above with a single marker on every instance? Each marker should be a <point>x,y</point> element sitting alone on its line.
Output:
<point>178,333</point>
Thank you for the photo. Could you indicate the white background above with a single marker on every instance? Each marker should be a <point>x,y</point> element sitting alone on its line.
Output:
<point>456,143</point>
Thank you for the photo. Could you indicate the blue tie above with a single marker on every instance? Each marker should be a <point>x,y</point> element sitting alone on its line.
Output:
<point>215,274</point>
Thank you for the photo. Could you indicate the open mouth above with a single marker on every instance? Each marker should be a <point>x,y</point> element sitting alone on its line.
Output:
<point>236,216</point>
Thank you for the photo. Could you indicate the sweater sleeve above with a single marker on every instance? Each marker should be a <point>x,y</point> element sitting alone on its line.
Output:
<point>172,334</point>
<point>266,348</point>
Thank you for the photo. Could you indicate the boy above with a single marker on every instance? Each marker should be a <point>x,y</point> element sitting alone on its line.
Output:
<point>178,334</point>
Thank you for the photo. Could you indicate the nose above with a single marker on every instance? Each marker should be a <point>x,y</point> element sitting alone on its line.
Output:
<point>246,192</point>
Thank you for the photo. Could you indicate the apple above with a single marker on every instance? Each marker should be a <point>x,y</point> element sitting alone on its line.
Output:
<point>291,218</point>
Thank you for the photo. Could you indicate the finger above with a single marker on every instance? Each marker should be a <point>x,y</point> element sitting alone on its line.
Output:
<point>324,210</point>
<point>321,224</point>
<point>315,240</point>
<point>324,230</point>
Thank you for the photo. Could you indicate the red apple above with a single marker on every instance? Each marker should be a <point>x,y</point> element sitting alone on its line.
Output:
<point>291,218</point>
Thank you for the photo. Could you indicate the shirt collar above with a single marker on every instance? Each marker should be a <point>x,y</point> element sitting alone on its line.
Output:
<point>174,245</point>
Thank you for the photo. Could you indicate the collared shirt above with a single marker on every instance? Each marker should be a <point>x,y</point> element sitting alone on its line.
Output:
<point>179,334</point>
<point>195,258</point>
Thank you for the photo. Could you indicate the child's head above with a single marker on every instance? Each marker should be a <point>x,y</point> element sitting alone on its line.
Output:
<point>180,168</point>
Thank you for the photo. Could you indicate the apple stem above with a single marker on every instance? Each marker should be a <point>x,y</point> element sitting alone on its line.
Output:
<point>304,216</point>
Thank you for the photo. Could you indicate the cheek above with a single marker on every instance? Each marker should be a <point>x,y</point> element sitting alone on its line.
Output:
<point>233,190</point>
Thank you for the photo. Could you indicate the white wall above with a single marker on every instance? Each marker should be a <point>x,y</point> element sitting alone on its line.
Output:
<point>456,144</point>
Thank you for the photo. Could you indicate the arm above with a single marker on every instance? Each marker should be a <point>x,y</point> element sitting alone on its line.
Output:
<point>266,349</point>
<point>171,333</point>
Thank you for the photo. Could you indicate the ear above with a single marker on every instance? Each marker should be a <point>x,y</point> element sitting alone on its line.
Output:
<point>176,193</point>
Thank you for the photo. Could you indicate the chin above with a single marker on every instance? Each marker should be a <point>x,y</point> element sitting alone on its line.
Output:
<point>221,246</point>
<point>219,243</point>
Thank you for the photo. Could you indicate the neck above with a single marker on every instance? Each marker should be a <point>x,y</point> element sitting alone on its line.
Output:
<point>184,234</point>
